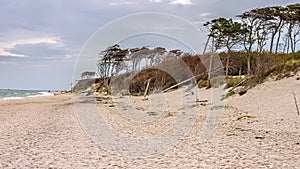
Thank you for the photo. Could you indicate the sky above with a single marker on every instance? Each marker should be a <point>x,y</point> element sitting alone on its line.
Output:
<point>42,43</point>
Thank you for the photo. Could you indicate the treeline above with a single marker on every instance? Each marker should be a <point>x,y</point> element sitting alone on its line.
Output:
<point>115,60</point>
<point>274,29</point>
<point>259,42</point>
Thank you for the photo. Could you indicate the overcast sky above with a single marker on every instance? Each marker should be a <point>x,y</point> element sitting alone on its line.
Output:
<point>41,39</point>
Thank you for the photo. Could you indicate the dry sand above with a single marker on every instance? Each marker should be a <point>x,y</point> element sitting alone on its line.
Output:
<point>44,132</point>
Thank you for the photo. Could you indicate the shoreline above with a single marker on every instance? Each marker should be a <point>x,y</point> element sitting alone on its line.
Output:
<point>42,94</point>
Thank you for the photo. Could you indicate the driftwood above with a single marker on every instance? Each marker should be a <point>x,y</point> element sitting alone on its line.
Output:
<point>180,83</point>
<point>147,88</point>
<point>296,104</point>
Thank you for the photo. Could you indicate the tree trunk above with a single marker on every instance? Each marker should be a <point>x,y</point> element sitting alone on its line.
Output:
<point>295,42</point>
<point>248,50</point>
<point>227,64</point>
<point>274,34</point>
<point>285,44</point>
<point>288,46</point>
<point>278,38</point>
<point>228,56</point>
<point>210,63</point>
<point>206,44</point>
<point>209,71</point>
<point>248,63</point>
<point>272,41</point>
<point>291,42</point>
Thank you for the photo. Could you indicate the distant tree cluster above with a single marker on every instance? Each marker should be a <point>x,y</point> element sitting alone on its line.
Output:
<point>115,60</point>
<point>277,26</point>
<point>87,75</point>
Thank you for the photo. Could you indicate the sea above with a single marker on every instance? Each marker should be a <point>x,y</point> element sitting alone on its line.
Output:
<point>7,94</point>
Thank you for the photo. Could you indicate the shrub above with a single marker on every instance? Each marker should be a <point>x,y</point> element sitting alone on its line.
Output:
<point>202,83</point>
<point>242,92</point>
<point>232,81</point>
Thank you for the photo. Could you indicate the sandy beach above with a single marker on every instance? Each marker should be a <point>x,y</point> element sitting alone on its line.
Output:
<point>260,129</point>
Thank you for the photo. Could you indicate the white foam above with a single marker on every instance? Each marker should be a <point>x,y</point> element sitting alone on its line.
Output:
<point>42,94</point>
<point>11,98</point>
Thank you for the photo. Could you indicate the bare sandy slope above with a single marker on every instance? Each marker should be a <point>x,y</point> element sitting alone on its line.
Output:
<point>45,132</point>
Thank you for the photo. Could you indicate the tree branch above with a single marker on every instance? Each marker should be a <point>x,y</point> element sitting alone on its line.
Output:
<point>296,104</point>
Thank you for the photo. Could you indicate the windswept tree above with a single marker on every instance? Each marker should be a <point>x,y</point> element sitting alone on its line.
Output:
<point>139,57</point>
<point>111,61</point>
<point>226,33</point>
<point>269,22</point>
<point>279,13</point>
<point>261,23</point>
<point>292,19</point>
<point>158,53</point>
<point>248,37</point>
<point>134,58</point>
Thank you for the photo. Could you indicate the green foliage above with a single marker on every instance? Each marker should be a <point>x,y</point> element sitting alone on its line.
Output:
<point>232,81</point>
<point>227,95</point>
<point>221,107</point>
<point>242,92</point>
<point>202,83</point>
<point>244,117</point>
<point>103,89</point>
<point>286,69</point>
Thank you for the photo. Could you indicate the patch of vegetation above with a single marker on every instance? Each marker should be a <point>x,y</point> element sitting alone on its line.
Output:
<point>286,69</point>
<point>245,117</point>
<point>228,94</point>
<point>280,70</point>
<point>190,106</point>
<point>221,107</point>
<point>104,90</point>
<point>169,114</point>
<point>233,81</point>
<point>160,80</point>
<point>202,83</point>
<point>242,92</point>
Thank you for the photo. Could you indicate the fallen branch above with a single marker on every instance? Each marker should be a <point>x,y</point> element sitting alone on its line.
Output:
<point>296,104</point>
<point>147,88</point>
<point>180,83</point>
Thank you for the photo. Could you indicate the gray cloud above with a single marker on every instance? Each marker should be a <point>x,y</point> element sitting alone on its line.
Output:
<point>70,23</point>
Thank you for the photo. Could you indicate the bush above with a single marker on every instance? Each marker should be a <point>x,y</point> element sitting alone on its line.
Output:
<point>160,80</point>
<point>242,92</point>
<point>232,81</point>
<point>202,83</point>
